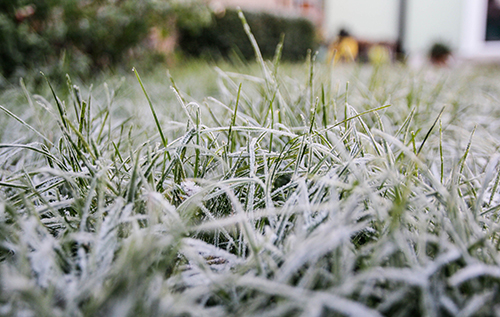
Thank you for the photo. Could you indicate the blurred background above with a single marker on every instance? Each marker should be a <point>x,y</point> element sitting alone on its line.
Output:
<point>83,37</point>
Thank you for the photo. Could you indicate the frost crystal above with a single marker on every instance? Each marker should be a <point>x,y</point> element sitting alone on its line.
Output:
<point>190,188</point>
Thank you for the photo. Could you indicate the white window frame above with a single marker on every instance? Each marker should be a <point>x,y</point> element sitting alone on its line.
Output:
<point>473,43</point>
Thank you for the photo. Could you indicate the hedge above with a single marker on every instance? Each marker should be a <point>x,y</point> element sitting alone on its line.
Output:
<point>80,36</point>
<point>225,36</point>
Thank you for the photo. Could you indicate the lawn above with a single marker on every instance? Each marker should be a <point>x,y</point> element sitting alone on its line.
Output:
<point>267,189</point>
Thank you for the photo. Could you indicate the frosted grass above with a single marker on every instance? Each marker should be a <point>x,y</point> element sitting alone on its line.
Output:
<point>293,190</point>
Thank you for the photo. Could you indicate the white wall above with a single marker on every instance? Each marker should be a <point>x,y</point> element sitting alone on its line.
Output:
<point>374,20</point>
<point>252,4</point>
<point>429,21</point>
<point>457,23</point>
<point>473,33</point>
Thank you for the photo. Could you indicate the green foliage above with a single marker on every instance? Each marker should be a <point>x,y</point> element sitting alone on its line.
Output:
<point>80,36</point>
<point>439,50</point>
<point>225,36</point>
<point>22,42</point>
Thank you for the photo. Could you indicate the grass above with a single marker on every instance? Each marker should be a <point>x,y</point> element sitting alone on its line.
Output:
<point>267,189</point>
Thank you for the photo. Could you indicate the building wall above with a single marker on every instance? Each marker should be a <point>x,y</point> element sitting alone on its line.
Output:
<point>270,5</point>
<point>373,20</point>
<point>460,24</point>
<point>430,21</point>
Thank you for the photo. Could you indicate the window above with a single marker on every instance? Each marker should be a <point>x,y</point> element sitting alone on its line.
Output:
<point>493,21</point>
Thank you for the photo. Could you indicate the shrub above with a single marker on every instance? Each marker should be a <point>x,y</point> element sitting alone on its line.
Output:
<point>22,41</point>
<point>226,36</point>
<point>86,35</point>
<point>439,53</point>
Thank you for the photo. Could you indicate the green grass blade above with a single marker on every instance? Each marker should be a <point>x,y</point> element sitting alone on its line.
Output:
<point>157,122</point>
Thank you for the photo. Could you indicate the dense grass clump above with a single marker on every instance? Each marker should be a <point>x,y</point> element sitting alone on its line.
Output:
<point>294,190</point>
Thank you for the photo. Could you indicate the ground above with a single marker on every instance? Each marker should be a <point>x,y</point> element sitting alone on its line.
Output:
<point>262,189</point>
